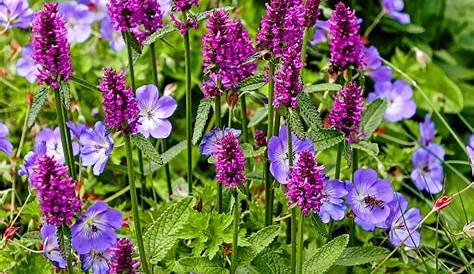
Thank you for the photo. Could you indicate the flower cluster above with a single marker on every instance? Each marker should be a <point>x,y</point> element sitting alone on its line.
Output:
<point>120,105</point>
<point>184,5</point>
<point>226,47</point>
<point>306,183</point>
<point>50,47</point>
<point>56,192</point>
<point>122,261</point>
<point>124,14</point>
<point>230,161</point>
<point>346,112</point>
<point>312,12</point>
<point>344,40</point>
<point>151,19</point>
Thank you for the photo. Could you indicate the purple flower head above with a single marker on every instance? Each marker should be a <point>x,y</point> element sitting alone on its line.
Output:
<point>115,38</point>
<point>346,112</point>
<point>25,66</point>
<point>427,131</point>
<point>184,5</point>
<point>312,12</point>
<point>150,19</point>
<point>230,161</point>
<point>56,191</point>
<point>78,21</point>
<point>50,46</point>
<point>51,249</point>
<point>15,13</point>
<point>97,261</point>
<point>96,228</point>
<point>278,153</point>
<point>5,145</point>
<point>305,186</point>
<point>209,141</point>
<point>402,223</point>
<point>393,9</point>
<point>344,40</point>
<point>260,138</point>
<point>154,112</point>
<point>76,129</point>
<point>226,46</point>
<point>288,84</point>
<point>183,26</point>
<point>320,32</point>
<point>120,106</point>
<point>96,148</point>
<point>399,97</point>
<point>369,196</point>
<point>332,202</point>
<point>374,68</point>
<point>427,171</point>
<point>124,14</point>
<point>122,261</point>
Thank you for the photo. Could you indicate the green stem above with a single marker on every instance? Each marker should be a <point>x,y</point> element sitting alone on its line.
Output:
<point>268,176</point>
<point>133,195</point>
<point>337,173</point>
<point>217,105</point>
<point>293,210</point>
<point>83,83</point>
<point>374,23</point>
<point>235,235</point>
<point>299,258</point>
<point>69,143</point>
<point>62,131</point>
<point>66,244</point>
<point>187,56</point>
<point>355,166</point>
<point>245,133</point>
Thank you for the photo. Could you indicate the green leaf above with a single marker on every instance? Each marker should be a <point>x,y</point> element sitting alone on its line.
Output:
<point>201,119</point>
<point>65,94</point>
<point>136,46</point>
<point>200,265</point>
<point>257,117</point>
<point>326,256</point>
<point>373,116</point>
<point>270,262</point>
<point>147,148</point>
<point>325,138</point>
<point>161,236</point>
<point>368,147</point>
<point>358,255</point>
<point>249,152</point>
<point>167,156</point>
<point>295,123</point>
<point>258,241</point>
<point>309,112</point>
<point>255,57</point>
<point>253,82</point>
<point>319,225</point>
<point>321,87</point>
<point>39,99</point>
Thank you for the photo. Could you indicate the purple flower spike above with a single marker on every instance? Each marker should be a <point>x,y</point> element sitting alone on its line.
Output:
<point>374,68</point>
<point>154,112</point>
<point>151,19</point>
<point>344,40</point>
<point>278,153</point>
<point>5,145</point>
<point>209,141</point>
<point>25,66</point>
<point>346,112</point>
<point>399,96</point>
<point>427,131</point>
<point>393,9</point>
<point>305,186</point>
<point>51,248</point>
<point>78,21</point>
<point>15,13</point>
<point>369,196</point>
<point>97,261</point>
<point>288,84</point>
<point>56,192</point>
<point>124,14</point>
<point>428,172</point>
<point>272,28</point>
<point>260,138</point>
<point>312,12</point>
<point>50,46</point>
<point>402,223</point>
<point>332,202</point>
<point>120,106</point>
<point>96,228</point>
<point>96,148</point>
<point>230,161</point>
<point>115,38</point>
<point>184,5</point>
<point>122,261</point>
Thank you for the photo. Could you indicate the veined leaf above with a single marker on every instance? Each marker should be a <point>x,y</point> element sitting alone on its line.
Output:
<point>147,148</point>
<point>325,138</point>
<point>319,225</point>
<point>270,262</point>
<point>309,112</point>
<point>200,265</point>
<point>39,99</point>
<point>321,87</point>
<point>253,82</point>
<point>255,57</point>
<point>201,119</point>
<point>161,236</point>
<point>65,94</point>
<point>167,156</point>
<point>136,46</point>
<point>295,123</point>
<point>258,241</point>
<point>358,255</point>
<point>373,116</point>
<point>257,117</point>
<point>249,152</point>
<point>326,256</point>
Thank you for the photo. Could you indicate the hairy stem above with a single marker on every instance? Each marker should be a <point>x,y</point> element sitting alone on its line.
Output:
<point>300,257</point>
<point>235,235</point>
<point>217,105</point>
<point>293,210</point>
<point>268,176</point>
<point>62,130</point>
<point>187,56</point>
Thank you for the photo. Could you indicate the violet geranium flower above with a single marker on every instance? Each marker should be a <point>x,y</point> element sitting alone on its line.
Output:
<point>428,171</point>
<point>96,148</point>
<point>51,248</point>
<point>97,261</point>
<point>78,21</point>
<point>230,161</point>
<point>25,66</point>
<point>374,68</point>
<point>96,228</point>
<point>399,96</point>
<point>427,131</point>
<point>470,151</point>
<point>320,32</point>
<point>15,13</point>
<point>208,142</point>
<point>278,153</point>
<point>369,196</point>
<point>402,223</point>
<point>154,112</point>
<point>393,8</point>
<point>115,38</point>
<point>5,145</point>
<point>332,202</point>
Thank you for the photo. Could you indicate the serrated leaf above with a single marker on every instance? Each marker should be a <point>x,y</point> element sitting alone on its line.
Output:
<point>295,124</point>
<point>201,119</point>
<point>65,94</point>
<point>167,156</point>
<point>258,241</point>
<point>270,262</point>
<point>136,46</point>
<point>249,152</point>
<point>309,112</point>
<point>373,116</point>
<point>255,57</point>
<point>147,148</point>
<point>319,225</point>
<point>326,256</point>
<point>325,138</point>
<point>39,99</point>
<point>200,265</point>
<point>161,236</point>
<point>368,147</point>
<point>358,255</point>
<point>257,117</point>
<point>321,87</point>
<point>253,82</point>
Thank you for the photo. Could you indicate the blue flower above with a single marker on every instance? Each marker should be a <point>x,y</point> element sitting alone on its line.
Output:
<point>427,131</point>
<point>97,261</point>
<point>393,9</point>
<point>402,223</point>
<point>115,38</point>
<point>208,142</point>
<point>5,145</point>
<point>428,172</point>
<point>373,65</point>
<point>78,21</point>
<point>332,202</point>
<point>25,66</point>
<point>15,13</point>
<point>399,97</point>
<point>51,248</point>
<point>96,148</point>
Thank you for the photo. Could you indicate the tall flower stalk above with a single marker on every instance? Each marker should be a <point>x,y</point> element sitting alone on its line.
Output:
<point>189,106</point>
